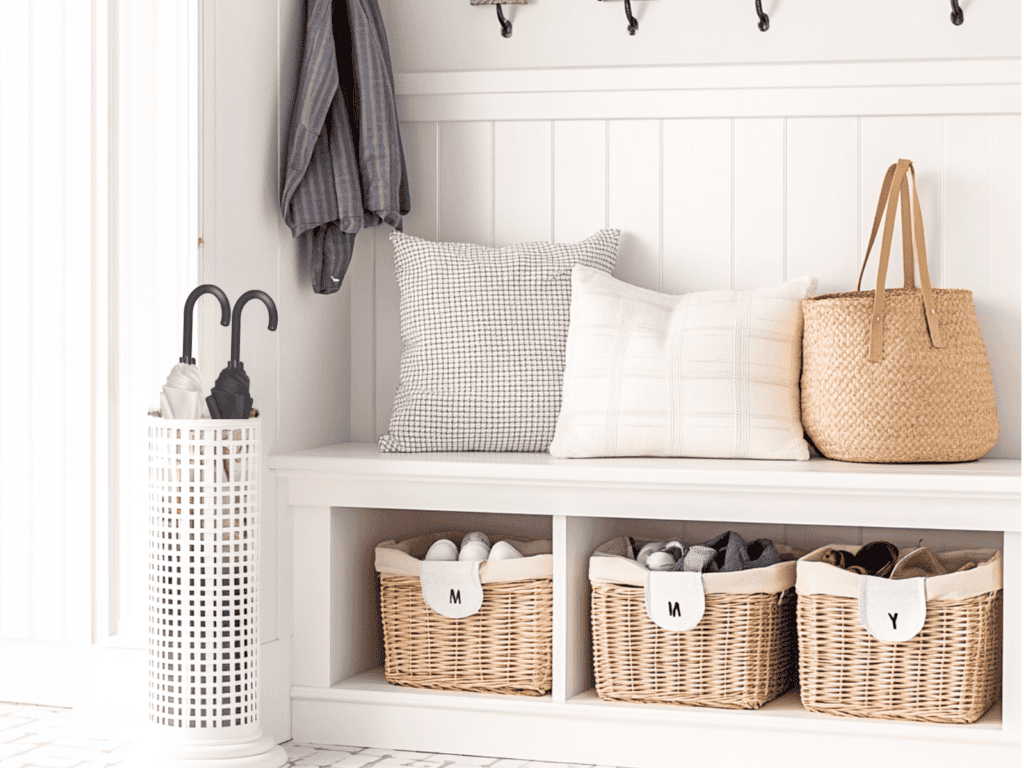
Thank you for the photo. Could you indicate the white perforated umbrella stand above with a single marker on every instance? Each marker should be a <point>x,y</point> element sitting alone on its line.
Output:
<point>203,566</point>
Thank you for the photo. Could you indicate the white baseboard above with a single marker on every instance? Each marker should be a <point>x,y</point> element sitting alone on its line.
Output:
<point>36,673</point>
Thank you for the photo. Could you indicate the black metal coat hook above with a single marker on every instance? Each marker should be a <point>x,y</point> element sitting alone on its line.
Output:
<point>762,24</point>
<point>634,25</point>
<point>506,25</point>
<point>957,16</point>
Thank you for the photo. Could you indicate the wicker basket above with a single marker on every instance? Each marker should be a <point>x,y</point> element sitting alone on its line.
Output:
<point>504,648</point>
<point>741,655</point>
<point>951,672</point>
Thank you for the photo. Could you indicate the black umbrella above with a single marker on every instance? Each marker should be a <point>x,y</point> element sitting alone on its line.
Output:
<point>229,398</point>
<point>182,395</point>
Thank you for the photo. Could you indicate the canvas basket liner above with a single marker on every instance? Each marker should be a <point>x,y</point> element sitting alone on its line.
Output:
<point>504,648</point>
<point>951,672</point>
<point>741,655</point>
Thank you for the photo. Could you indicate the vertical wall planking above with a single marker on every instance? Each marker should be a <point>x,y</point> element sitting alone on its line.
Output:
<point>47,333</point>
<point>466,183</point>
<point>579,179</point>
<point>387,336</point>
<point>522,181</point>
<point>1002,329</point>
<point>758,193</point>
<point>78,322</point>
<point>15,317</point>
<point>634,199</point>
<point>420,144</point>
<point>974,220</point>
<point>358,286</point>
<point>884,140</point>
<point>696,205</point>
<point>137,218</point>
<point>822,164</point>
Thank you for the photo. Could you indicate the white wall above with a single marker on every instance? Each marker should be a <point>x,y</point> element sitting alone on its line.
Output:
<point>98,235</point>
<point>46,269</point>
<point>455,36</point>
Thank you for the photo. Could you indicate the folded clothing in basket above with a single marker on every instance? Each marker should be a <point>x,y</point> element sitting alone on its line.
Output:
<point>725,553</point>
<point>615,562</point>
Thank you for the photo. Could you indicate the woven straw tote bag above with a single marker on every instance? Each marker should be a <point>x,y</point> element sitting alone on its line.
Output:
<point>897,375</point>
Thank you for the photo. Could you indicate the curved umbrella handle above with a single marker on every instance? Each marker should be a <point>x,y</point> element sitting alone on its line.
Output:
<point>190,302</point>
<point>236,315</point>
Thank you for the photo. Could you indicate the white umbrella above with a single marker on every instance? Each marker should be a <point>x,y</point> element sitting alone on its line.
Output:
<point>182,395</point>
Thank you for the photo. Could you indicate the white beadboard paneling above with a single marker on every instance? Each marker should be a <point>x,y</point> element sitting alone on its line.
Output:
<point>78,323</point>
<point>884,140</point>
<point>466,187</point>
<point>697,205</point>
<point>522,182</point>
<point>15,318</point>
<point>580,179</point>
<point>420,142</point>
<point>359,286</point>
<point>758,200</point>
<point>387,338</point>
<point>981,183</point>
<point>634,199</point>
<point>47,334</point>
<point>1003,316</point>
<point>167,235</point>
<point>822,165</point>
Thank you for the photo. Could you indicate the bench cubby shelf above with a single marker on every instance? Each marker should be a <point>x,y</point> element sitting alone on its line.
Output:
<point>343,499</point>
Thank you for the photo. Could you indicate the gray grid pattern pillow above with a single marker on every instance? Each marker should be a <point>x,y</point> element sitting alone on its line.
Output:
<point>484,334</point>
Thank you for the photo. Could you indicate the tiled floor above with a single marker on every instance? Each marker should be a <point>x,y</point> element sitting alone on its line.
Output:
<point>41,737</point>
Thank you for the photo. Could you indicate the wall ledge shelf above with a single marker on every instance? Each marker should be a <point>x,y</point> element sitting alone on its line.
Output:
<point>790,492</point>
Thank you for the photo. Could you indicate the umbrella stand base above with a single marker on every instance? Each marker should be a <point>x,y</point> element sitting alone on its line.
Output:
<point>160,753</point>
<point>203,567</point>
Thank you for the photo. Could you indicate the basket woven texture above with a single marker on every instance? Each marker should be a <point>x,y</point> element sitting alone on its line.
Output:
<point>504,648</point>
<point>950,673</point>
<point>919,403</point>
<point>897,375</point>
<point>740,656</point>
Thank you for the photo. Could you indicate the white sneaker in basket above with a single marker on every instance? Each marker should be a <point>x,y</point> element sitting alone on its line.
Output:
<point>442,549</point>
<point>504,551</point>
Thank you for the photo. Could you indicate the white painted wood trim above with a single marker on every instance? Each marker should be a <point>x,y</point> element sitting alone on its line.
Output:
<point>926,496</point>
<point>737,103</point>
<point>985,86</point>
<point>991,71</point>
<point>587,730</point>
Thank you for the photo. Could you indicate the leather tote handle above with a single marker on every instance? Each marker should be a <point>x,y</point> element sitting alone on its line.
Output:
<point>900,188</point>
<point>908,259</point>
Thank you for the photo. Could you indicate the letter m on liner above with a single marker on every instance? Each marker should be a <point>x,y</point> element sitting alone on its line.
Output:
<point>455,596</point>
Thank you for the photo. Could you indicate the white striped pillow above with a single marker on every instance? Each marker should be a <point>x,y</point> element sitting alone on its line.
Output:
<point>713,374</point>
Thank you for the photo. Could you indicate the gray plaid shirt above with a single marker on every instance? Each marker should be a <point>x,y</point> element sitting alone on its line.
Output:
<point>345,168</point>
